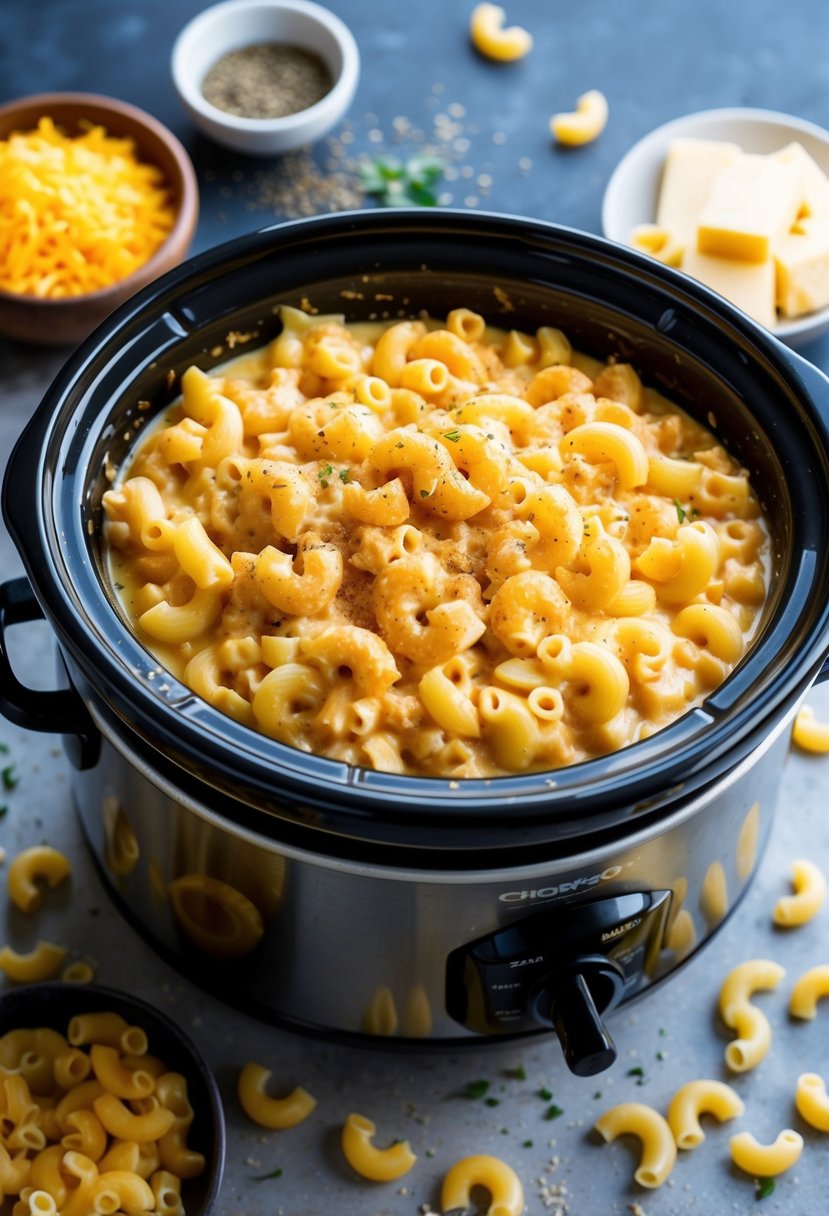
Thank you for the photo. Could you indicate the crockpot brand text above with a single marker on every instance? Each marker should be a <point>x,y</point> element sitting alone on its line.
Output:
<point>564,888</point>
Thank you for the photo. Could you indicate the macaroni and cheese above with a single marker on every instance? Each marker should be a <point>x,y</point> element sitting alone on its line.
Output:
<point>437,548</point>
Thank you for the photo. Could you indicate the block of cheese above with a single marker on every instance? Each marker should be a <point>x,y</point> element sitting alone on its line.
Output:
<point>752,205</point>
<point>802,260</point>
<point>814,181</point>
<point>749,285</point>
<point>689,171</point>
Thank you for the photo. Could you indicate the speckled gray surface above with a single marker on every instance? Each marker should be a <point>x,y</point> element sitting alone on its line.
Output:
<point>654,62</point>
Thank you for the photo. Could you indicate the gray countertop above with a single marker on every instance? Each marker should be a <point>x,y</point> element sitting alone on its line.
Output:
<point>654,62</point>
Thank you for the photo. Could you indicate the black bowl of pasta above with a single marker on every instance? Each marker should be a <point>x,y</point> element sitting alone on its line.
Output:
<point>500,565</point>
<point>87,1048</point>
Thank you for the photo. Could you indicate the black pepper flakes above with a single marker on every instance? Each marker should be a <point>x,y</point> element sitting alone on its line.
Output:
<point>267,80</point>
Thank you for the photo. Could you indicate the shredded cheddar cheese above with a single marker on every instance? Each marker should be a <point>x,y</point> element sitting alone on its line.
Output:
<point>76,213</point>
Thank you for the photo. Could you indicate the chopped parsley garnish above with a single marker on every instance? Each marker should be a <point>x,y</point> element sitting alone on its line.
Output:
<point>597,1095</point>
<point>4,810</point>
<point>492,1102</point>
<point>9,777</point>
<point>344,476</point>
<point>323,475</point>
<point>516,1074</point>
<point>452,436</point>
<point>277,1173</point>
<point>553,1112</point>
<point>473,1091</point>
<point>637,1072</point>
<point>680,511</point>
<point>526,1143</point>
<point>4,749</point>
<point>545,1095</point>
<point>663,1032</point>
<point>397,183</point>
<point>662,1055</point>
<point>425,493</point>
<point>763,1187</point>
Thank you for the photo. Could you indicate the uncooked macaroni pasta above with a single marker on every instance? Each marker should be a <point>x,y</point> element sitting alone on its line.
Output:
<point>70,1144</point>
<point>436,547</point>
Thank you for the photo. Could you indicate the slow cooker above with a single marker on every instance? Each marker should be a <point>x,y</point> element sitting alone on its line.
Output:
<point>354,902</point>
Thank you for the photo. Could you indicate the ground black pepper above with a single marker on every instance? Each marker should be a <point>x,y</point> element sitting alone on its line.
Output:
<point>267,80</point>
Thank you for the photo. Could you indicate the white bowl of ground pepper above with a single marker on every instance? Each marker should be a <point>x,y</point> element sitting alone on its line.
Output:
<point>265,76</point>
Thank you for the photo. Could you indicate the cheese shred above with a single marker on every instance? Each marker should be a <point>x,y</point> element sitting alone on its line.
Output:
<point>77,214</point>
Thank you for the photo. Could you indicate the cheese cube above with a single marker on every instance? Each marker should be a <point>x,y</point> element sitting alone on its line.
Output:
<point>802,260</point>
<point>749,285</point>
<point>752,205</point>
<point>814,181</point>
<point>690,168</point>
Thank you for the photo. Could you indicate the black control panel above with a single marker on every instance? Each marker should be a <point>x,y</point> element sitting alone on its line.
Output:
<point>562,968</point>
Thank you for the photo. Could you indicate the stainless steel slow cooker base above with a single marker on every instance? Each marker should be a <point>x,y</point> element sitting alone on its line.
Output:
<point>363,949</point>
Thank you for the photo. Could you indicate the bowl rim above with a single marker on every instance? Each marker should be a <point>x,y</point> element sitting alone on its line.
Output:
<point>186,214</point>
<point>218,14</point>
<point>801,328</point>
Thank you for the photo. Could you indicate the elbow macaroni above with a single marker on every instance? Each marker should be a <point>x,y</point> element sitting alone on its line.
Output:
<point>491,39</point>
<point>698,1098</point>
<point>271,1112</point>
<point>61,1153</point>
<point>658,1145</point>
<point>751,1024</point>
<point>316,536</point>
<point>491,1173</point>
<point>808,899</point>
<point>766,1160</point>
<point>376,1164</point>
<point>812,986</point>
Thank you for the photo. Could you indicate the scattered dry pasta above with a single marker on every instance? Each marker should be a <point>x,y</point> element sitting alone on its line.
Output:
<point>64,1148</point>
<point>585,124</point>
<point>658,1144</point>
<point>491,1173</point>
<point>809,895</point>
<point>812,1101</point>
<point>40,862</point>
<point>267,1111</point>
<point>701,1097</point>
<point>812,987</point>
<point>808,733</point>
<point>436,548</point>
<point>76,213</point>
<point>486,29</point>
<point>766,1160</point>
<point>376,1164</point>
<point>751,1024</point>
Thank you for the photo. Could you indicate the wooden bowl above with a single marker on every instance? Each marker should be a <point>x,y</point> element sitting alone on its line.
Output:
<point>67,321</point>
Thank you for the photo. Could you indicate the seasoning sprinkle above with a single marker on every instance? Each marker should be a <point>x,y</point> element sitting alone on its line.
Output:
<point>267,80</point>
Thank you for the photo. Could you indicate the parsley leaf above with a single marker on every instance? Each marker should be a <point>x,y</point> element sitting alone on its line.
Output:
<point>277,1173</point>
<point>516,1074</point>
<point>397,183</point>
<point>763,1187</point>
<point>452,436</point>
<point>637,1072</point>
<point>680,511</point>
<point>473,1090</point>
<point>323,475</point>
<point>344,476</point>
<point>545,1095</point>
<point>553,1112</point>
<point>9,777</point>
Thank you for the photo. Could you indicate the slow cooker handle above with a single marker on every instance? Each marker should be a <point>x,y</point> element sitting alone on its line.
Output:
<point>60,712</point>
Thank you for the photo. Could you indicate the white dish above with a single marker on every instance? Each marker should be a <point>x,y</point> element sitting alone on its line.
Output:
<point>631,194</point>
<point>238,23</point>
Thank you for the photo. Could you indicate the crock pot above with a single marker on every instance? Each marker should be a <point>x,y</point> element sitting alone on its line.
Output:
<point>370,904</point>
